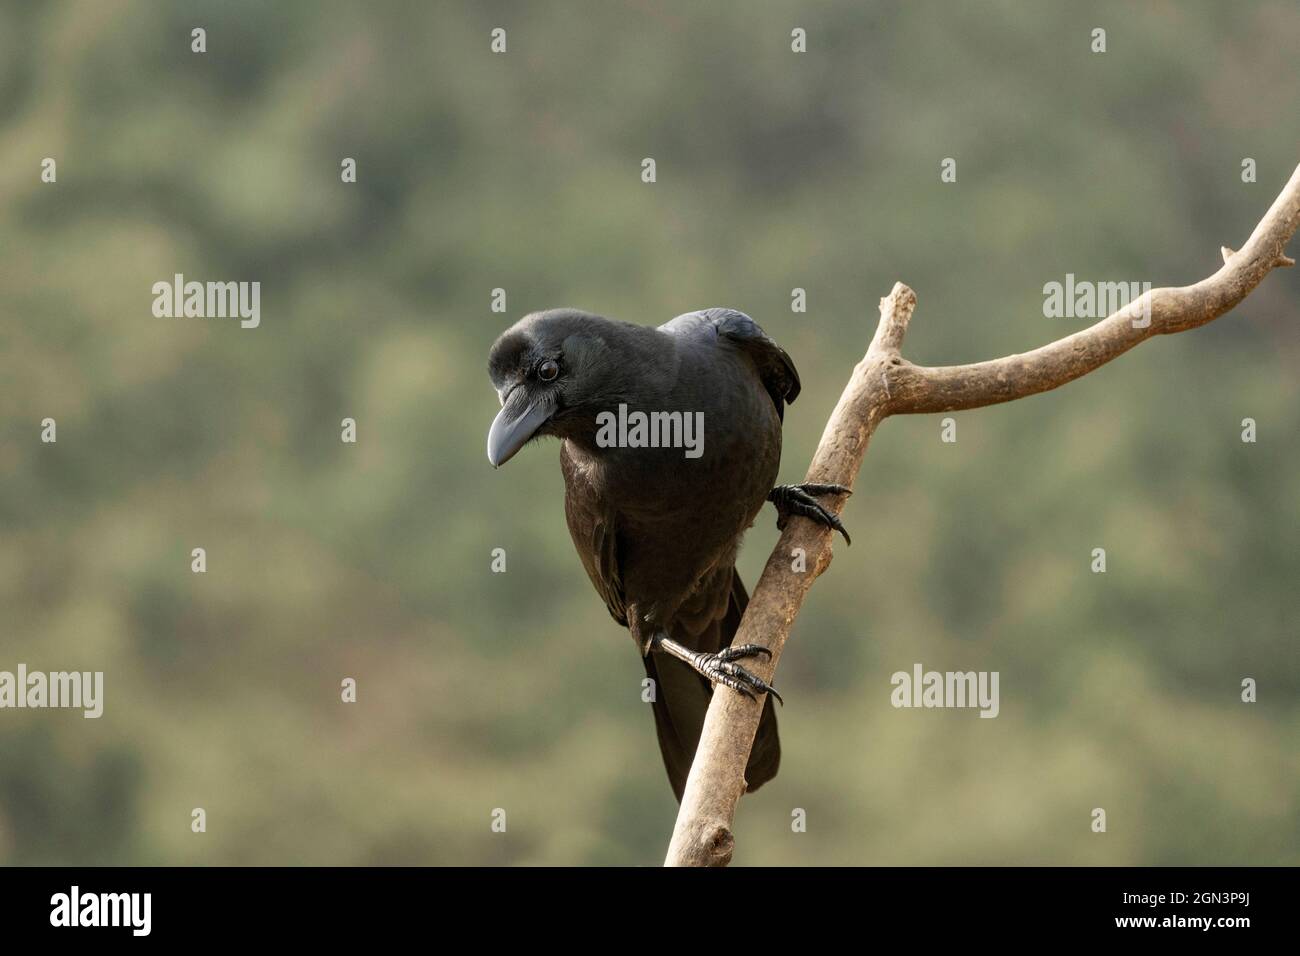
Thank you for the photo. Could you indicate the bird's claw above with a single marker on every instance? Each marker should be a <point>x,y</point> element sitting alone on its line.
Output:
<point>742,650</point>
<point>801,500</point>
<point>721,668</point>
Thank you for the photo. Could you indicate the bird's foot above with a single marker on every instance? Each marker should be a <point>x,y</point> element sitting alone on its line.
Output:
<point>802,500</point>
<point>721,668</point>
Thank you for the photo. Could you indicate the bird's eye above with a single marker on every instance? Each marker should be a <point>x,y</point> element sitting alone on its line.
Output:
<point>548,370</point>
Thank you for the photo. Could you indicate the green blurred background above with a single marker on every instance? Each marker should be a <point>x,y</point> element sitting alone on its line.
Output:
<point>522,171</point>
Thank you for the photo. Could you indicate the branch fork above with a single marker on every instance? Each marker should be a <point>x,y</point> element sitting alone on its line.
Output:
<point>882,384</point>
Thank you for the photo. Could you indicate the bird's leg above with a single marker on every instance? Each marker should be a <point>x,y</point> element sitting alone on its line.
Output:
<point>720,668</point>
<point>801,500</point>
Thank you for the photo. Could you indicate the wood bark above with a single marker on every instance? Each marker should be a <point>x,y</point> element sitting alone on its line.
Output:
<point>883,384</point>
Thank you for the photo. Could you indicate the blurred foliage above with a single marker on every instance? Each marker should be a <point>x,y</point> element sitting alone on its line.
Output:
<point>775,170</point>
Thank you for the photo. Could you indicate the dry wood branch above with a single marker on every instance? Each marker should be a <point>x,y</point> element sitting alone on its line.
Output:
<point>884,384</point>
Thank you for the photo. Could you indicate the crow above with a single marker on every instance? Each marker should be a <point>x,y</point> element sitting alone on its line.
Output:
<point>656,507</point>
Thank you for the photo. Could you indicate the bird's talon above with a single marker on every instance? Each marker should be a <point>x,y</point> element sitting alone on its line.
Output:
<point>817,489</point>
<point>719,669</point>
<point>800,500</point>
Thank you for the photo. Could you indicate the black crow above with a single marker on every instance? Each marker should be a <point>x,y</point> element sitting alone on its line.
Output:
<point>670,444</point>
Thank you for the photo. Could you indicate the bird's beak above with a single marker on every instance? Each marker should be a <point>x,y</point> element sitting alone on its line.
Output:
<point>517,422</point>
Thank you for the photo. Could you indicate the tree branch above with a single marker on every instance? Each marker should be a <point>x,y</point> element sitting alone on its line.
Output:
<point>884,384</point>
<point>917,389</point>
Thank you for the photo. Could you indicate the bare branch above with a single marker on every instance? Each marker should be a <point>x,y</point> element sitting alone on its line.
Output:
<point>918,389</point>
<point>883,384</point>
<point>702,836</point>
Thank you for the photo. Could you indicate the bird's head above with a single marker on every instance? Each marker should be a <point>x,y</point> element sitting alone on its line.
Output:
<point>551,370</point>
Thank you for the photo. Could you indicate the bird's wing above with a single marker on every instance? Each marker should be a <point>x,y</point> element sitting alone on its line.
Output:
<point>594,529</point>
<point>775,367</point>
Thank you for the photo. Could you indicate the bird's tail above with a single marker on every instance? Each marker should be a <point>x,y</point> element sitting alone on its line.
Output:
<point>682,697</point>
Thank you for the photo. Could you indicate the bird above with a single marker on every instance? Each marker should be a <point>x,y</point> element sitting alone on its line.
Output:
<point>656,513</point>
